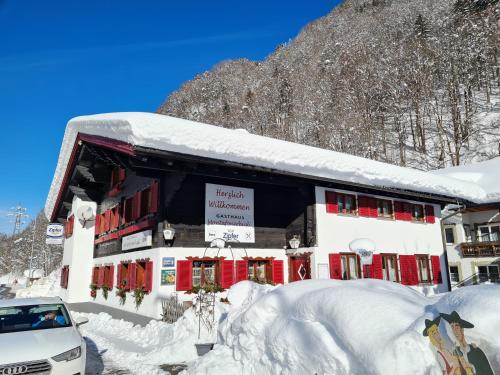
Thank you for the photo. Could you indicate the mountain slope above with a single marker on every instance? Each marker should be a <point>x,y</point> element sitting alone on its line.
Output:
<point>410,82</point>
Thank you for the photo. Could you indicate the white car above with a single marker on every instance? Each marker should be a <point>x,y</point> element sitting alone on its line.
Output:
<point>39,336</point>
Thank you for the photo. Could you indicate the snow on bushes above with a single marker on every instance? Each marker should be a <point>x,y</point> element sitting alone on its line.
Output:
<point>342,327</point>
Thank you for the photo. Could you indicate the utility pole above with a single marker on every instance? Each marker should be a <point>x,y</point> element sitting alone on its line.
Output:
<point>18,213</point>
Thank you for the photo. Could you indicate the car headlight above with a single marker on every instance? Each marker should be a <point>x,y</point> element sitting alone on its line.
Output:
<point>69,355</point>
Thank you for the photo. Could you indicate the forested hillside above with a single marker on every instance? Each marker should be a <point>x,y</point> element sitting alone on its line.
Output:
<point>16,251</point>
<point>410,82</point>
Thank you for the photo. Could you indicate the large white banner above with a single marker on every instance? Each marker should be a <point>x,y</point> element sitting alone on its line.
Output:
<point>229,213</point>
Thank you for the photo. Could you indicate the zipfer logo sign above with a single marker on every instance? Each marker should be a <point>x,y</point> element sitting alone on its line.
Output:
<point>14,370</point>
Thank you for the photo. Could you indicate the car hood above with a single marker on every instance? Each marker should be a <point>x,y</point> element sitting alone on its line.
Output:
<point>38,344</point>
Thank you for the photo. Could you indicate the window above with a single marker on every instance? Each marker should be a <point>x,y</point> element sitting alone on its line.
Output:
<point>488,273</point>
<point>467,232</point>
<point>384,208</point>
<point>417,212</point>
<point>204,273</point>
<point>350,266</point>
<point>454,275</point>
<point>346,204</point>
<point>450,235</point>
<point>127,210</point>
<point>33,317</point>
<point>108,276</point>
<point>424,272</point>
<point>145,202</point>
<point>95,275</point>
<point>489,233</point>
<point>390,267</point>
<point>122,277</point>
<point>260,271</point>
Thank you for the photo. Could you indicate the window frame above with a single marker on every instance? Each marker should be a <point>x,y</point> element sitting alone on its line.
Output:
<point>348,273</point>
<point>203,282</point>
<point>268,270</point>
<point>341,202</point>
<point>414,218</point>
<point>391,208</point>
<point>452,273</point>
<point>425,258</point>
<point>385,270</point>
<point>452,228</point>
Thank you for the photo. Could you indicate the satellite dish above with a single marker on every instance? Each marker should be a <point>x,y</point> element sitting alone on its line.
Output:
<point>85,214</point>
<point>365,248</point>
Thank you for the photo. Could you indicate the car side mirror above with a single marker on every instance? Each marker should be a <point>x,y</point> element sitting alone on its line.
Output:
<point>81,320</point>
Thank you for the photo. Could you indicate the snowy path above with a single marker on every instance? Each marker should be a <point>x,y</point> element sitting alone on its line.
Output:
<point>97,365</point>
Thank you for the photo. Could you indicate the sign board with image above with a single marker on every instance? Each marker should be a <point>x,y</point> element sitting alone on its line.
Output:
<point>167,277</point>
<point>54,234</point>
<point>137,240</point>
<point>229,213</point>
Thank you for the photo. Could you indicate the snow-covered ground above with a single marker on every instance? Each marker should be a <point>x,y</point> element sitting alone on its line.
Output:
<point>314,326</point>
<point>44,287</point>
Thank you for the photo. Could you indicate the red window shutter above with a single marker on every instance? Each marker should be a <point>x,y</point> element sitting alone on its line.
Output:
<point>184,279</point>
<point>131,276</point>
<point>409,271</point>
<point>107,220</point>
<point>119,275</point>
<point>407,211</point>
<point>429,215</point>
<point>97,225</point>
<point>111,276</point>
<point>61,280</point>
<point>227,273</point>
<point>364,206</point>
<point>66,277</point>
<point>241,270</point>
<point>331,202</point>
<point>278,272</point>
<point>95,275</point>
<point>376,267</point>
<point>100,277</point>
<point>373,207</point>
<point>154,198</point>
<point>136,206</point>
<point>121,175</point>
<point>398,210</point>
<point>335,266</point>
<point>148,277</point>
<point>436,269</point>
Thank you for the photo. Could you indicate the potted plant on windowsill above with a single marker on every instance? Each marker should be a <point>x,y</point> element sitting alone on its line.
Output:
<point>93,290</point>
<point>105,291</point>
<point>139,294</point>
<point>121,292</point>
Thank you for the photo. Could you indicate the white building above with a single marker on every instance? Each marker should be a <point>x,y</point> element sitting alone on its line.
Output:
<point>164,189</point>
<point>472,232</point>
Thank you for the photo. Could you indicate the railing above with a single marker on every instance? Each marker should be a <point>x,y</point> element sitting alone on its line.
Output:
<point>480,249</point>
<point>478,278</point>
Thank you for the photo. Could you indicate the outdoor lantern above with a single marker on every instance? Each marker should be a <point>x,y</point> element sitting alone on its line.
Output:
<point>295,242</point>
<point>169,233</point>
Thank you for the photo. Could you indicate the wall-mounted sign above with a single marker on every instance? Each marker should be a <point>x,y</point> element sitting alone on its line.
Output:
<point>229,213</point>
<point>168,262</point>
<point>167,277</point>
<point>137,240</point>
<point>55,234</point>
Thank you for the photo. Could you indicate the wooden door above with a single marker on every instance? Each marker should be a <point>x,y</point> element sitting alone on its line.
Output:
<point>300,268</point>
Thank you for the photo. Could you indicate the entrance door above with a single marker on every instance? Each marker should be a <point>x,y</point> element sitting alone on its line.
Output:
<point>300,268</point>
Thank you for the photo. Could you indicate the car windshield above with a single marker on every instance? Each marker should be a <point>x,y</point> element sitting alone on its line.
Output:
<point>33,317</point>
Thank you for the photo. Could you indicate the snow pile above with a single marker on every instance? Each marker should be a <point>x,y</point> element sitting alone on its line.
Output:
<point>192,138</point>
<point>10,278</point>
<point>484,174</point>
<point>343,327</point>
<point>141,350</point>
<point>48,286</point>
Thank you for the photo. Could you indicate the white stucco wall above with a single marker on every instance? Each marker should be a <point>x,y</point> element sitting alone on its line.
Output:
<point>336,231</point>
<point>78,255</point>
<point>151,305</point>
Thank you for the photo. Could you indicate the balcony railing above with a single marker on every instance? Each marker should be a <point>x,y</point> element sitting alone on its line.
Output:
<point>480,249</point>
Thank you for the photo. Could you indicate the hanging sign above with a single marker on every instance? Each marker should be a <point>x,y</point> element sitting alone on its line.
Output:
<point>54,234</point>
<point>229,213</point>
<point>138,240</point>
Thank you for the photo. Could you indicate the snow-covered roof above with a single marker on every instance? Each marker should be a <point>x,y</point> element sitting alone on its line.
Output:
<point>485,174</point>
<point>192,138</point>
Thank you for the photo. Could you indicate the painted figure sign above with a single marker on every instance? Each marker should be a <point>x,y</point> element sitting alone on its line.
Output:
<point>167,277</point>
<point>460,357</point>
<point>229,213</point>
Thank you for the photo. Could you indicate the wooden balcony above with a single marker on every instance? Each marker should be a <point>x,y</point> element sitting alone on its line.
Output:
<point>480,249</point>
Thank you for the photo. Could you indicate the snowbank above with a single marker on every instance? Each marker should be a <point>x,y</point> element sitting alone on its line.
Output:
<point>48,286</point>
<point>192,138</point>
<point>10,278</point>
<point>142,349</point>
<point>342,327</point>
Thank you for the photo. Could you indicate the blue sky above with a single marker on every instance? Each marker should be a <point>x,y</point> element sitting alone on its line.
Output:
<point>60,59</point>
